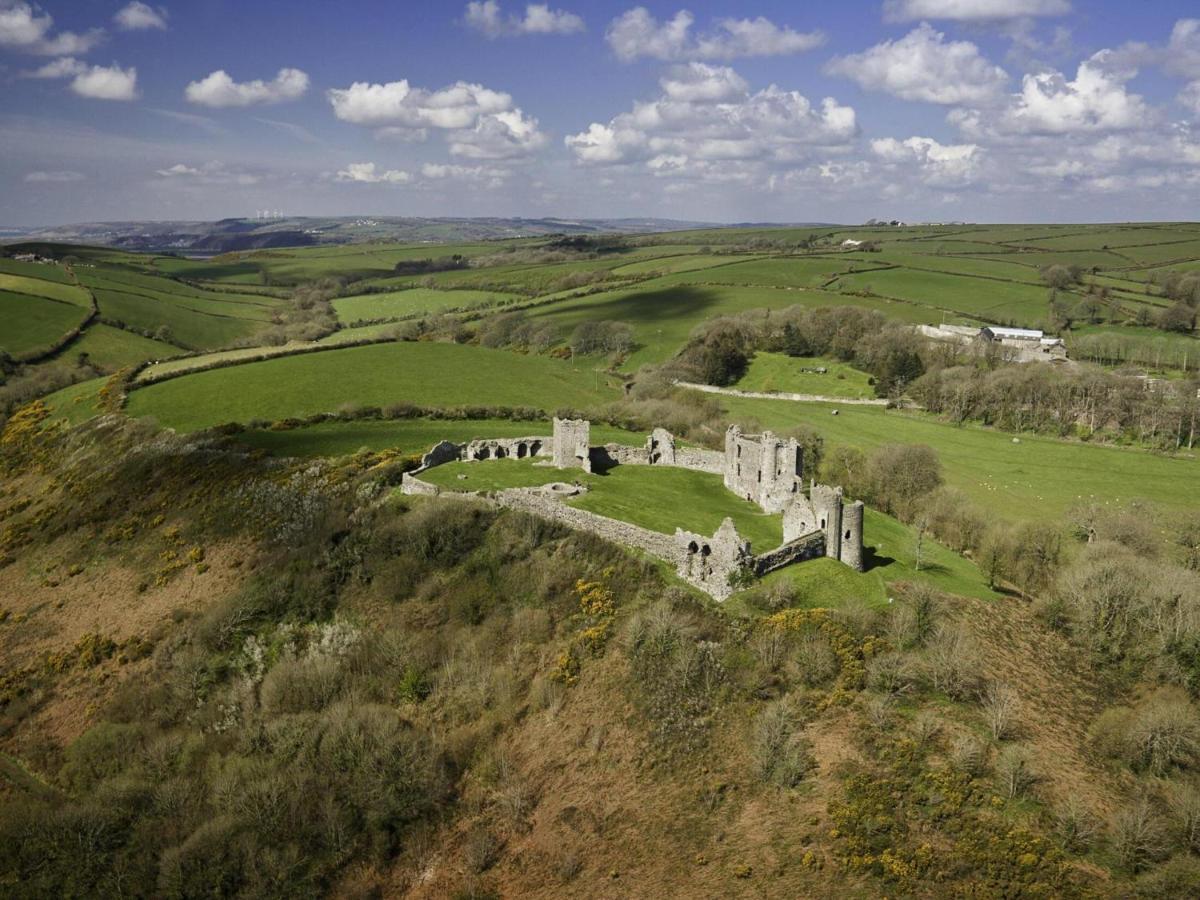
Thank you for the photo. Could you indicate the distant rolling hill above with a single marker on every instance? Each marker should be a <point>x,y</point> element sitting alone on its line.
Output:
<point>227,235</point>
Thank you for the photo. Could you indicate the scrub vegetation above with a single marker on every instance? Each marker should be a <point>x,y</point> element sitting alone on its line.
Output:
<point>236,661</point>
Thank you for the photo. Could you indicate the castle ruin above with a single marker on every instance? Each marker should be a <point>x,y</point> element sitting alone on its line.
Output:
<point>572,444</point>
<point>765,469</point>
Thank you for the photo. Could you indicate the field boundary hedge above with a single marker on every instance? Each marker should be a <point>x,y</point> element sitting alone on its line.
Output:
<point>93,311</point>
<point>139,382</point>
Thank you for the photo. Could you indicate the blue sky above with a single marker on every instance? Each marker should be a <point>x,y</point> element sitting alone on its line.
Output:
<point>926,110</point>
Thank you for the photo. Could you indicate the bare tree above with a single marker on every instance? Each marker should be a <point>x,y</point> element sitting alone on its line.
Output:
<point>1000,708</point>
<point>1138,838</point>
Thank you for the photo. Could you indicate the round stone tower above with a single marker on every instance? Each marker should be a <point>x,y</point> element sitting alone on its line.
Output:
<point>852,535</point>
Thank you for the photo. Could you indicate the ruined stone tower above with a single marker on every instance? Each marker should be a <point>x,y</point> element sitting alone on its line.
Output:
<point>763,468</point>
<point>660,447</point>
<point>572,444</point>
<point>824,510</point>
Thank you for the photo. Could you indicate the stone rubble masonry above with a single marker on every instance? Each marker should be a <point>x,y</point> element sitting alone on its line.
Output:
<point>711,562</point>
<point>810,546</point>
<point>763,468</point>
<point>499,448</point>
<point>572,444</point>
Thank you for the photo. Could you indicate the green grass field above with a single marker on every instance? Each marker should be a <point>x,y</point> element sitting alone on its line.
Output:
<point>663,316</point>
<point>434,374</point>
<point>890,557</point>
<point>40,271</point>
<point>777,372</point>
<point>1035,478</point>
<point>411,302</point>
<point>923,274</point>
<point>76,403</point>
<point>409,435</point>
<point>980,298</point>
<point>111,348</point>
<point>644,495</point>
<point>29,324</point>
<point>37,287</point>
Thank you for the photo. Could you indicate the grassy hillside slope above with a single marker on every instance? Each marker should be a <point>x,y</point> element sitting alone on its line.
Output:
<point>421,373</point>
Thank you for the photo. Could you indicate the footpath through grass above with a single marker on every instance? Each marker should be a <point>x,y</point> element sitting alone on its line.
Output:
<point>659,498</point>
<point>428,374</point>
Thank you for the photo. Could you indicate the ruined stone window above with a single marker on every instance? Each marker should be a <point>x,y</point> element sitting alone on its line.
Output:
<point>847,534</point>
<point>822,523</point>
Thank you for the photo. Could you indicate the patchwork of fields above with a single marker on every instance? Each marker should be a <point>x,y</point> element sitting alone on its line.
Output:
<point>664,286</point>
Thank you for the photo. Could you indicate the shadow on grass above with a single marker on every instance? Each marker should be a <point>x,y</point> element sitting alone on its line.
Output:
<point>875,560</point>
<point>931,568</point>
<point>645,306</point>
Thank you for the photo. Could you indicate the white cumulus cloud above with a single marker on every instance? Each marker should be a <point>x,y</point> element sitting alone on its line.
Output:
<point>1183,49</point>
<point>707,115</point>
<point>972,10</point>
<point>493,175</point>
<point>63,67</point>
<point>138,16</point>
<point>178,170</point>
<point>637,33</point>
<point>211,173</point>
<point>398,103</point>
<point>937,164</point>
<point>106,83</point>
<point>58,177</point>
<point>1095,100</point>
<point>1190,97</point>
<point>220,90</point>
<point>24,27</point>
<point>502,135</point>
<point>924,66</point>
<point>487,18</point>
<point>367,173</point>
<point>478,122</point>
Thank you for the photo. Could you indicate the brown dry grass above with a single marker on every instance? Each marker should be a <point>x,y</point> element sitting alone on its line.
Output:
<point>103,599</point>
<point>639,824</point>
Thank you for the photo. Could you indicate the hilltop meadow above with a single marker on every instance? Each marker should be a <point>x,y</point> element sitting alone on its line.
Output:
<point>234,656</point>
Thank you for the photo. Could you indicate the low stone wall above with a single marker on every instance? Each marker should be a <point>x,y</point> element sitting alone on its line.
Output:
<point>412,485</point>
<point>700,460</point>
<point>810,546</point>
<point>620,455</point>
<point>782,395</point>
<point>535,501</point>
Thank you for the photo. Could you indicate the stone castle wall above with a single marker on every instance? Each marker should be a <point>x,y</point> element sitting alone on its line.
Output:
<point>711,461</point>
<point>514,448</point>
<point>810,546</point>
<point>762,468</point>
<point>441,452</point>
<point>539,503</point>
